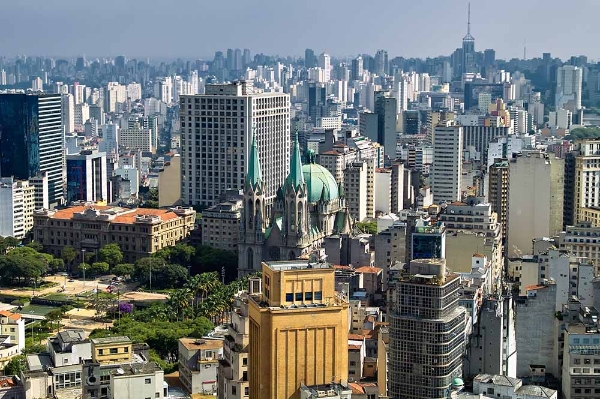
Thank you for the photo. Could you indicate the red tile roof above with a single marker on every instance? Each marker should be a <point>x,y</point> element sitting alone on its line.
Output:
<point>10,315</point>
<point>368,269</point>
<point>127,216</point>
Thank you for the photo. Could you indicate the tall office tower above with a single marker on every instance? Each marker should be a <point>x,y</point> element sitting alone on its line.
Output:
<point>298,330</point>
<point>136,138</point>
<point>385,108</point>
<point>356,72</point>
<point>535,199</point>
<point>582,178</point>
<point>110,138</point>
<point>87,177</point>
<point>246,58</point>
<point>317,100</point>
<point>32,140</point>
<point>78,93</point>
<point>381,63</point>
<point>468,49</point>
<point>115,95</point>
<point>325,64</point>
<point>218,62</point>
<point>480,137</point>
<point>16,212</point>
<point>427,332</point>
<point>230,59</point>
<point>489,57</point>
<point>356,190</point>
<point>568,87</point>
<point>237,60</point>
<point>310,60</point>
<point>215,147</point>
<point>68,113</point>
<point>446,171</point>
<point>80,63</point>
<point>97,113</point>
<point>498,184</point>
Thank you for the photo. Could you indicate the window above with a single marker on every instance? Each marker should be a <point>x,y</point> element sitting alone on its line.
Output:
<point>298,296</point>
<point>126,350</point>
<point>101,351</point>
<point>318,295</point>
<point>245,361</point>
<point>246,391</point>
<point>308,296</point>
<point>490,391</point>
<point>114,351</point>
<point>289,297</point>
<point>352,363</point>
<point>234,390</point>
<point>147,381</point>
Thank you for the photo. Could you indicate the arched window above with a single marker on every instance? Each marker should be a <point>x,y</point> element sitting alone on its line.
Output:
<point>291,255</point>
<point>250,213</point>
<point>250,258</point>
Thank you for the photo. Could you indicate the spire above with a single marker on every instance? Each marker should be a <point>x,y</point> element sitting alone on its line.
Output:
<point>296,177</point>
<point>468,37</point>
<point>254,174</point>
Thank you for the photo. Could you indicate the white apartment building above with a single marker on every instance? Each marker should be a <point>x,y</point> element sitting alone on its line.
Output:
<point>18,203</point>
<point>535,200</point>
<point>68,113</point>
<point>82,114</point>
<point>216,136</point>
<point>115,94</point>
<point>587,177</point>
<point>356,190</point>
<point>446,172</point>
<point>568,87</point>
<point>136,138</point>
<point>12,325</point>
<point>198,363</point>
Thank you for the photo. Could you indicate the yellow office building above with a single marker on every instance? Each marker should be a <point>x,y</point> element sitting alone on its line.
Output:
<point>298,330</point>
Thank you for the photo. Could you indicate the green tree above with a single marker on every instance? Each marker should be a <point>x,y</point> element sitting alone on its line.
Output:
<point>36,246</point>
<point>123,269</point>
<point>182,254</point>
<point>99,268</point>
<point>15,366</point>
<point>201,284</point>
<point>68,254</point>
<point>111,254</point>
<point>179,302</point>
<point>55,316</point>
<point>57,265</point>
<point>367,227</point>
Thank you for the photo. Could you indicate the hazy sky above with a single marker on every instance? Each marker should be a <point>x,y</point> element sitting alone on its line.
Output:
<point>196,28</point>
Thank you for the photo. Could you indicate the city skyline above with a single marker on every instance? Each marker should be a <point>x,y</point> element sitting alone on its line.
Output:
<point>358,32</point>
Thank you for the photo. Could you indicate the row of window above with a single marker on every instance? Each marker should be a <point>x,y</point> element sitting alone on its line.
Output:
<point>304,296</point>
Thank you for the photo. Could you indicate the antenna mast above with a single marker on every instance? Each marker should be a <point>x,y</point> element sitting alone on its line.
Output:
<point>469,20</point>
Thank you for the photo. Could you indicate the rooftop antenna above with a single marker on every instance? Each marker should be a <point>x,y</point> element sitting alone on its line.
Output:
<point>469,21</point>
<point>525,49</point>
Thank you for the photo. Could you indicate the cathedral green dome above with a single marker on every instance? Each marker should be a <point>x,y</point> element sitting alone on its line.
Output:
<point>319,181</point>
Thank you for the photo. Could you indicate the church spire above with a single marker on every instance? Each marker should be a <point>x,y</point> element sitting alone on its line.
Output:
<point>254,174</point>
<point>296,178</point>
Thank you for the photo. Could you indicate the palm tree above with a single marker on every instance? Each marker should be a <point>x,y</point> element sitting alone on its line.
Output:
<point>201,284</point>
<point>179,302</point>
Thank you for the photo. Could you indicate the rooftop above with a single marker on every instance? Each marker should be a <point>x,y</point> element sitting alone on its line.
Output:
<point>135,368</point>
<point>497,380</point>
<point>10,315</point>
<point>71,336</point>
<point>114,213</point>
<point>111,340</point>
<point>200,343</point>
<point>535,390</point>
<point>296,265</point>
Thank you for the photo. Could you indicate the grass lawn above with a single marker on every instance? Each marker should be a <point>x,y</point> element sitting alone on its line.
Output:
<point>38,310</point>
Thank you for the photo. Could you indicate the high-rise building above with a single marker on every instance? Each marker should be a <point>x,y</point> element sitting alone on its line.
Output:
<point>356,72</point>
<point>298,330</point>
<point>136,138</point>
<point>317,100</point>
<point>246,58</point>
<point>582,178</point>
<point>446,171</point>
<point>356,190</point>
<point>110,138</point>
<point>310,60</point>
<point>87,177</point>
<point>68,113</point>
<point>568,87</point>
<point>381,63</point>
<point>215,147</point>
<point>16,212</point>
<point>325,64</point>
<point>32,140</point>
<point>427,328</point>
<point>468,49</point>
<point>385,108</point>
<point>535,199</point>
<point>498,184</point>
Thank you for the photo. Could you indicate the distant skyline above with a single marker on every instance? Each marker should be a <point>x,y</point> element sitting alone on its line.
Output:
<point>195,29</point>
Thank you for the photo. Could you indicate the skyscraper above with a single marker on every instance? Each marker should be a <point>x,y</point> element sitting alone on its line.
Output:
<point>468,49</point>
<point>568,87</point>
<point>310,61</point>
<point>385,108</point>
<point>426,332</point>
<point>298,330</point>
<point>357,68</point>
<point>381,63</point>
<point>498,184</point>
<point>446,172</point>
<point>325,64</point>
<point>216,145</point>
<point>31,139</point>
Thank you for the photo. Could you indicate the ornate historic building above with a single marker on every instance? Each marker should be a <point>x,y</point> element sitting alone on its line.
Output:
<point>309,207</point>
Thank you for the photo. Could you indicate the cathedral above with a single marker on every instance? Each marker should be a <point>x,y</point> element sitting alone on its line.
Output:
<point>309,207</point>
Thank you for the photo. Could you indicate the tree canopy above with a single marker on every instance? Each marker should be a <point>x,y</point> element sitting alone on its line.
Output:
<point>584,133</point>
<point>111,254</point>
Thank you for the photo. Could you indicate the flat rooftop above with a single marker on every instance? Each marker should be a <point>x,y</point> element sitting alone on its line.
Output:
<point>297,265</point>
<point>200,343</point>
<point>111,340</point>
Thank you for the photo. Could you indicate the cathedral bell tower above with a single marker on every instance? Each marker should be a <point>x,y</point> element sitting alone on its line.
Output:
<point>253,223</point>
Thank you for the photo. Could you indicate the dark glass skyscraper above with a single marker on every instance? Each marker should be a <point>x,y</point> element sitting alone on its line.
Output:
<point>31,139</point>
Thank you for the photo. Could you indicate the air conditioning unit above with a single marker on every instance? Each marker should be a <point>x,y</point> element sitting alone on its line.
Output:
<point>321,394</point>
<point>331,392</point>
